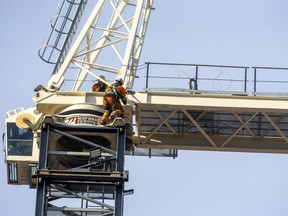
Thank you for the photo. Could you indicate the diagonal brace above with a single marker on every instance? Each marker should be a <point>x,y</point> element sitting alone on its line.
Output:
<point>199,128</point>
<point>237,131</point>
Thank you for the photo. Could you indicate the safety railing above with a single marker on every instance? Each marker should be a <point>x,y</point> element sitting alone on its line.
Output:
<point>270,81</point>
<point>225,79</point>
<point>63,27</point>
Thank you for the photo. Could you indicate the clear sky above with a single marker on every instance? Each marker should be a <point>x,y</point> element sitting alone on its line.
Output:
<point>225,32</point>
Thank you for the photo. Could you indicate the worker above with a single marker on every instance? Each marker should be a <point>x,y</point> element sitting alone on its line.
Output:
<point>115,93</point>
<point>100,85</point>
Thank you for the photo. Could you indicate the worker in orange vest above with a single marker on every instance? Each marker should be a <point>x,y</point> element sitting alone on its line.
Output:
<point>114,94</point>
<point>100,85</point>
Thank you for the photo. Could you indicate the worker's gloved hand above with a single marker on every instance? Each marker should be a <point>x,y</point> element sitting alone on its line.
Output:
<point>124,100</point>
<point>130,92</point>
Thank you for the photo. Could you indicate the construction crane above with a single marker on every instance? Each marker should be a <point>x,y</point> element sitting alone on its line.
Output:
<point>98,169</point>
<point>38,139</point>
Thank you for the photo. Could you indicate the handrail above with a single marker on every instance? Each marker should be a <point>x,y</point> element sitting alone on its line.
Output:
<point>201,75</point>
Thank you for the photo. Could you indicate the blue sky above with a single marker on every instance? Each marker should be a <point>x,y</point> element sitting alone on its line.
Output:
<point>226,32</point>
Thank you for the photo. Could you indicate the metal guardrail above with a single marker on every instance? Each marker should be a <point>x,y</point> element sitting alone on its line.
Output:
<point>223,79</point>
<point>271,77</point>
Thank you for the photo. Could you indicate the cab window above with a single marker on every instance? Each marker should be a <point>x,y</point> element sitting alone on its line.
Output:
<point>19,141</point>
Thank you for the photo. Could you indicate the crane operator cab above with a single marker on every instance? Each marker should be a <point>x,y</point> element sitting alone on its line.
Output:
<point>21,145</point>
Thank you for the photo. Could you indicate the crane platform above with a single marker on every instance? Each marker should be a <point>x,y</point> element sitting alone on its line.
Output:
<point>196,121</point>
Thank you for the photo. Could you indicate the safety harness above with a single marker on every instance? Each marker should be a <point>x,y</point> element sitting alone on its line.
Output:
<point>112,91</point>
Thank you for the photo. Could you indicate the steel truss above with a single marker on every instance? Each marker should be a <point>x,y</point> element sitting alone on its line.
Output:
<point>86,180</point>
<point>187,127</point>
<point>114,29</point>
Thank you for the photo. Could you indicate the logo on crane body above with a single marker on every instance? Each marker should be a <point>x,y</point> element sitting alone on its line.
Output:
<point>81,120</point>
